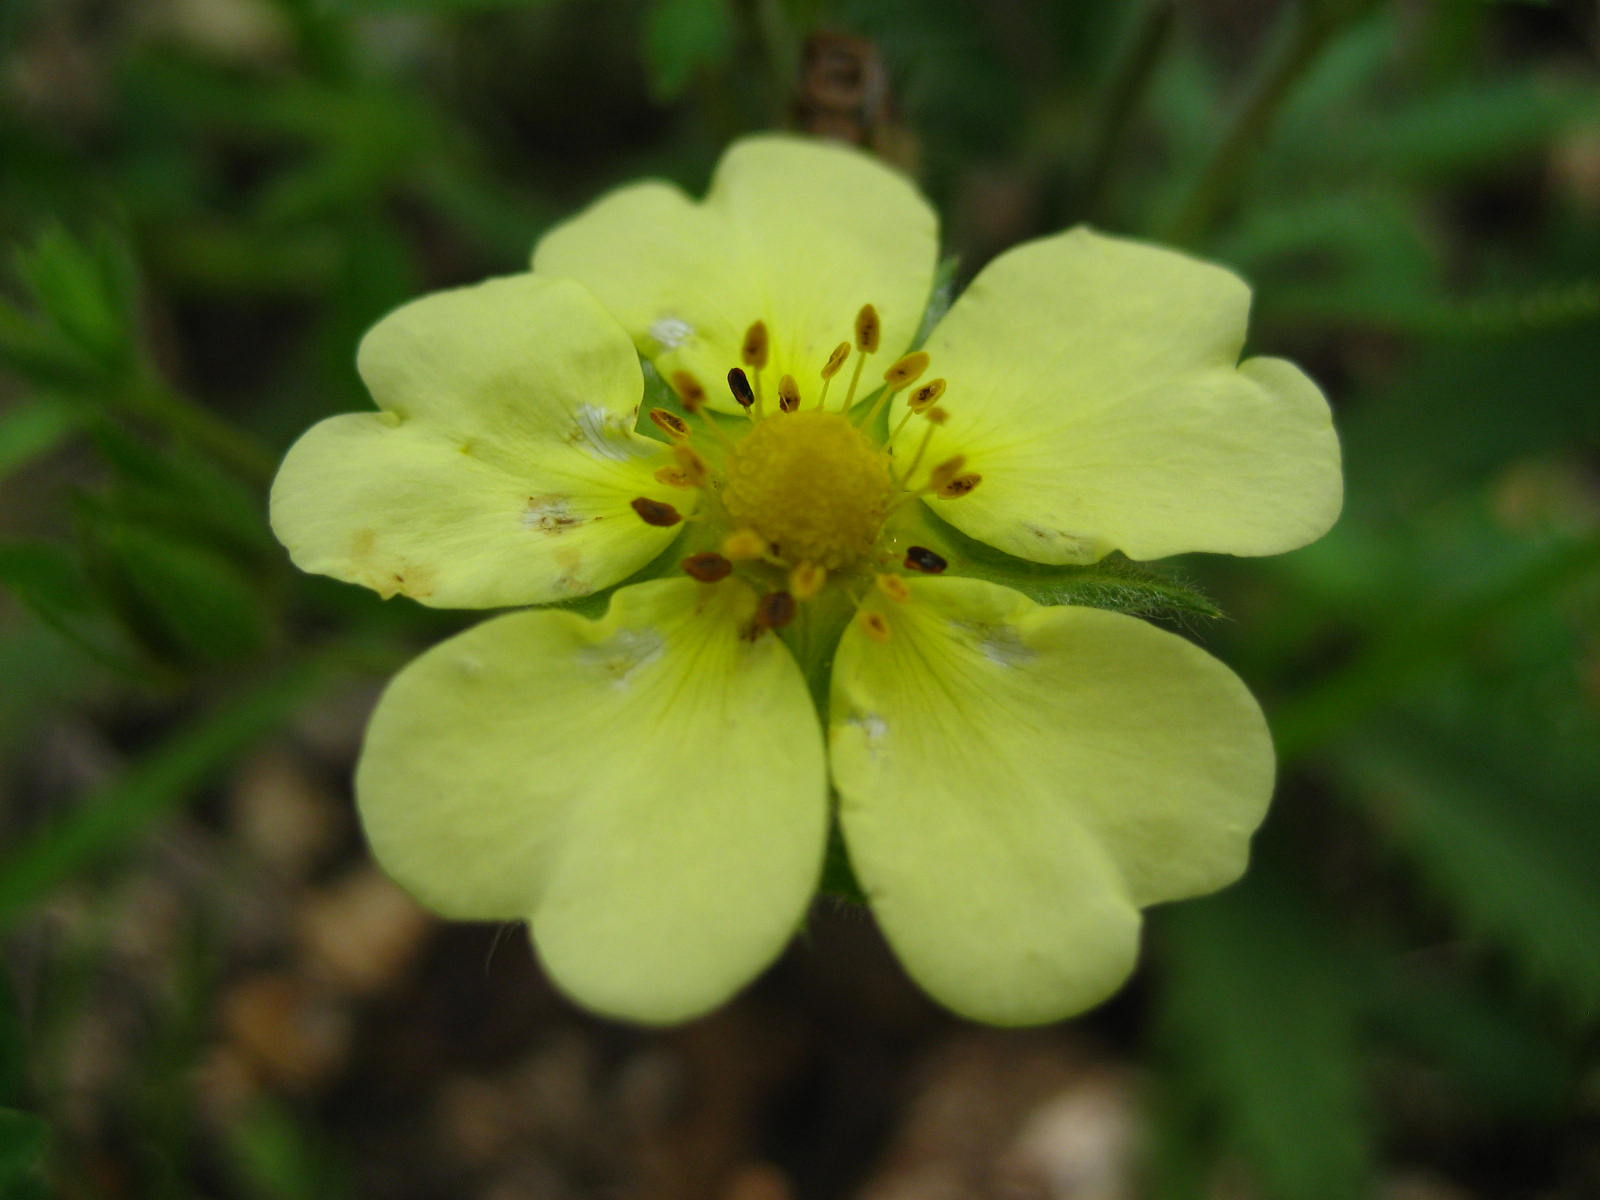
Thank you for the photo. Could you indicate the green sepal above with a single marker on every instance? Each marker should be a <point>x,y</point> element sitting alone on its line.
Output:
<point>1115,582</point>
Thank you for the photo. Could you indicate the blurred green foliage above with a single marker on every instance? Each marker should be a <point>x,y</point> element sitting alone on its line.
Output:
<point>207,204</point>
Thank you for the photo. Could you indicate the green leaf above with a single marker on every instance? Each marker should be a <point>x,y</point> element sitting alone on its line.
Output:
<point>155,783</point>
<point>34,429</point>
<point>680,38</point>
<point>1257,1010</point>
<point>1515,867</point>
<point>182,599</point>
<point>23,1138</point>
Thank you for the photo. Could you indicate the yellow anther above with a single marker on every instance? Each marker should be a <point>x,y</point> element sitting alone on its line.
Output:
<point>689,390</point>
<point>692,465</point>
<point>806,580</point>
<point>836,360</point>
<point>937,416</point>
<point>754,351</point>
<point>906,371</point>
<point>894,587</point>
<point>960,486</point>
<point>774,610</point>
<point>926,396</point>
<point>670,423</point>
<point>875,625</point>
<point>868,330</point>
<point>788,394</point>
<point>654,512</point>
<point>739,385</point>
<point>675,477</point>
<point>744,545</point>
<point>707,566</point>
<point>946,471</point>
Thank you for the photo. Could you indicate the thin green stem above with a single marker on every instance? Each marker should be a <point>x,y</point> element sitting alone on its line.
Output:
<point>1123,100</point>
<point>229,444</point>
<point>1311,26</point>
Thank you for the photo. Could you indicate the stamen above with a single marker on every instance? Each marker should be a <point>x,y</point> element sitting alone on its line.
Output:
<point>708,566</point>
<point>754,351</point>
<point>893,587</point>
<point>945,472</point>
<point>868,332</point>
<point>875,626</point>
<point>654,512</point>
<point>836,360</point>
<point>831,368</point>
<point>960,486</point>
<point>907,370</point>
<point>692,465</point>
<point>806,580</point>
<point>926,396</point>
<point>689,390</point>
<point>675,477</point>
<point>744,545</point>
<point>774,610</point>
<point>920,558</point>
<point>670,423</point>
<point>788,394</point>
<point>902,374</point>
<point>922,447</point>
<point>739,385</point>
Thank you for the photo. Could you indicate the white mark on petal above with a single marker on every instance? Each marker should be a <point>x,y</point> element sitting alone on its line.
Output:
<point>874,728</point>
<point>606,435</point>
<point>1000,644</point>
<point>671,332</point>
<point>626,653</point>
<point>550,513</point>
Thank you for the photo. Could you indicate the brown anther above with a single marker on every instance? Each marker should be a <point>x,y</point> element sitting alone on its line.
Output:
<point>893,587</point>
<point>920,558</point>
<point>670,423</point>
<point>744,545</point>
<point>754,351</point>
<point>875,625</point>
<point>960,485</point>
<point>946,471</point>
<point>653,512</point>
<point>926,396</point>
<point>937,415</point>
<point>868,330</point>
<point>907,370</point>
<point>806,580</point>
<point>739,385</point>
<point>675,477</point>
<point>692,465</point>
<point>788,394</point>
<point>836,360</point>
<point>689,390</point>
<point>774,610</point>
<point>708,566</point>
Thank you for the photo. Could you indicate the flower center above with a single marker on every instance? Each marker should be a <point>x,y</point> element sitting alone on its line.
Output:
<point>811,484</point>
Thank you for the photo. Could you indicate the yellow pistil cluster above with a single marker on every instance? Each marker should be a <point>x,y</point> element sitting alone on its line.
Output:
<point>806,490</point>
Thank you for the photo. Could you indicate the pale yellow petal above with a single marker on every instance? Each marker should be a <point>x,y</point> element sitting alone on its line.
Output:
<point>794,232</point>
<point>502,467</point>
<point>1094,383</point>
<point>1016,781</point>
<point>648,790</point>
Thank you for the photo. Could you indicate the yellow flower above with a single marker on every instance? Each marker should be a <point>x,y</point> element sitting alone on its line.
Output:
<point>1014,781</point>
